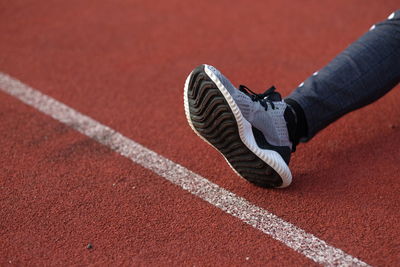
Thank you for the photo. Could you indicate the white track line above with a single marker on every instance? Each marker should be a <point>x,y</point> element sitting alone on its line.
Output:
<point>290,235</point>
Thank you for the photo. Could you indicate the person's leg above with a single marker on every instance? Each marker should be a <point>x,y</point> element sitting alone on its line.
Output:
<point>257,132</point>
<point>361,74</point>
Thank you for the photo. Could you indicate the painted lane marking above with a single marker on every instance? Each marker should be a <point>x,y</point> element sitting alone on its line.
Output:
<point>305,243</point>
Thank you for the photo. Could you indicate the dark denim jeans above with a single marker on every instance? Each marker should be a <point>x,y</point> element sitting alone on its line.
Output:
<point>361,74</point>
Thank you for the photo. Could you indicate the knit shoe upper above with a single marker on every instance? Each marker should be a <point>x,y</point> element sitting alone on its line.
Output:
<point>268,114</point>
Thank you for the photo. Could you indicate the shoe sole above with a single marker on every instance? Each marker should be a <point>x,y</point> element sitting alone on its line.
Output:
<point>214,116</point>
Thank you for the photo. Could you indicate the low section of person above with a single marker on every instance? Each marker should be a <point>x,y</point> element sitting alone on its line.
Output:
<point>256,133</point>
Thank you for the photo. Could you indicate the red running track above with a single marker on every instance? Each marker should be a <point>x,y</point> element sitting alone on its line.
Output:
<point>124,64</point>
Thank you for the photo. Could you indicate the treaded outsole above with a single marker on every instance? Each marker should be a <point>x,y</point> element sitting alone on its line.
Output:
<point>213,119</point>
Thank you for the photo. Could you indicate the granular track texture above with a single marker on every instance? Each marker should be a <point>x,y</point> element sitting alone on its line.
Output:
<point>213,119</point>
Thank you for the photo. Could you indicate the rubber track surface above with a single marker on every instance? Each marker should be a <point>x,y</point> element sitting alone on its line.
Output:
<point>124,63</point>
<point>213,119</point>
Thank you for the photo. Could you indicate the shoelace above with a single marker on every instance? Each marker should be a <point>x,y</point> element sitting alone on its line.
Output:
<point>267,97</point>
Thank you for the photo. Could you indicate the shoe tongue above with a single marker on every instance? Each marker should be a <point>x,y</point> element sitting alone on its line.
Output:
<point>274,97</point>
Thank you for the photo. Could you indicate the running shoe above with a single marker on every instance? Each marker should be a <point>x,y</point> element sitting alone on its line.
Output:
<point>250,130</point>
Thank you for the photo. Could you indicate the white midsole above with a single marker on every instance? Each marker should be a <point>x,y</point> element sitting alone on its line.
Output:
<point>270,157</point>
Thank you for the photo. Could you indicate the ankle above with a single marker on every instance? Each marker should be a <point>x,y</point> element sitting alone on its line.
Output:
<point>298,131</point>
